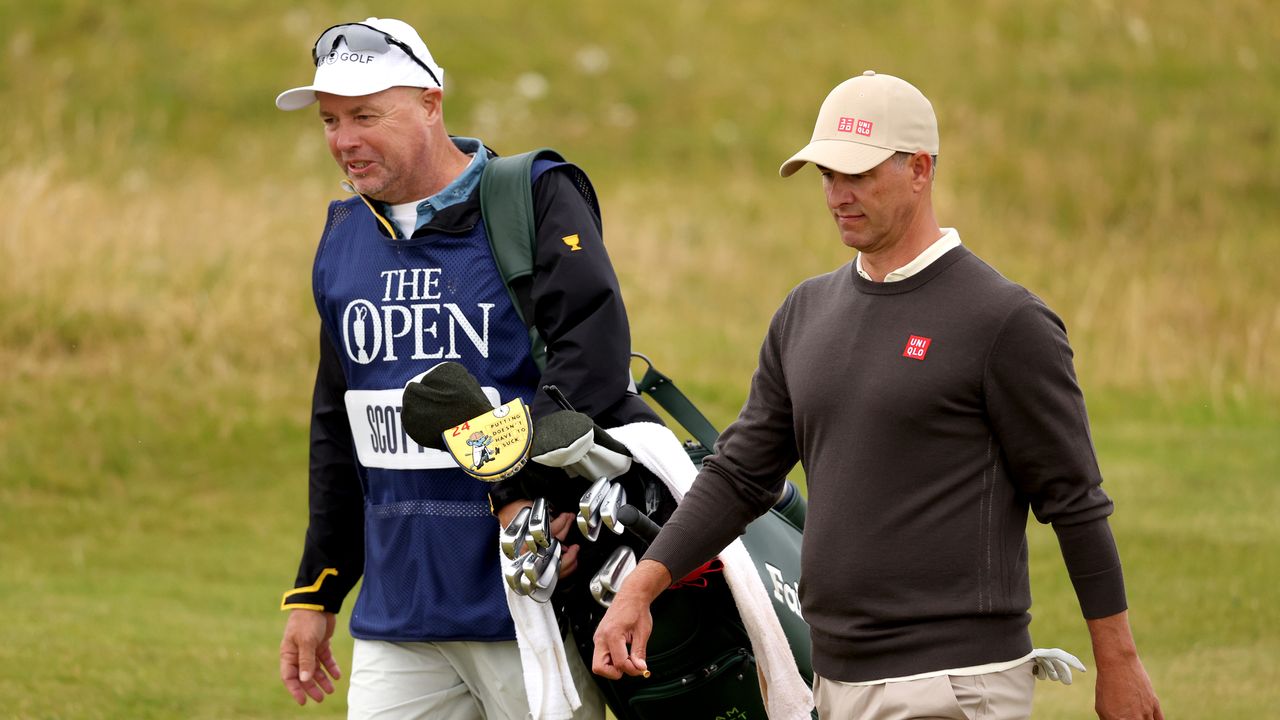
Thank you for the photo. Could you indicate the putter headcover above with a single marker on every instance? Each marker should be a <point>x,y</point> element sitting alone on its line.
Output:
<point>571,440</point>
<point>446,396</point>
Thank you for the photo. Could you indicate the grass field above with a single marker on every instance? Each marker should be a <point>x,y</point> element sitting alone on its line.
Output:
<point>157,332</point>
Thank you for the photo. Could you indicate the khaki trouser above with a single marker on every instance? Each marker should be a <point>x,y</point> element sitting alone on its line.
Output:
<point>994,696</point>
<point>451,681</point>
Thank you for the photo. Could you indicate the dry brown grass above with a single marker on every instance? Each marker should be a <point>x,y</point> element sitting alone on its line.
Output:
<point>1149,307</point>
<point>204,279</point>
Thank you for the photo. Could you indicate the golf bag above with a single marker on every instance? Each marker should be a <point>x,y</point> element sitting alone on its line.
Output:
<point>699,654</point>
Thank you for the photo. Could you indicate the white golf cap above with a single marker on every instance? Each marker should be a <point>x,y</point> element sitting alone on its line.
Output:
<point>863,121</point>
<point>365,58</point>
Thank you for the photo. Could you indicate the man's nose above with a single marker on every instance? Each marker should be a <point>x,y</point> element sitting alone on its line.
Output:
<point>839,191</point>
<point>346,137</point>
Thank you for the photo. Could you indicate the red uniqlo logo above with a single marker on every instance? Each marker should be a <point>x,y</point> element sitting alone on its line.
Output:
<point>864,128</point>
<point>916,347</point>
<point>846,124</point>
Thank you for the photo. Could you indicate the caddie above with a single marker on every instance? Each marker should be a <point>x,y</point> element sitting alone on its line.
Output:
<point>404,278</point>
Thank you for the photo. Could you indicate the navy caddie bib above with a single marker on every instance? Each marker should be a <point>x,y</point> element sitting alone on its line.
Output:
<point>394,309</point>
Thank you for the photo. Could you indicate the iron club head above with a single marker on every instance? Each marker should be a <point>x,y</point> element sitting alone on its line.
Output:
<point>589,508</point>
<point>539,528</point>
<point>614,498</point>
<point>545,585</point>
<point>512,538</point>
<point>511,572</point>
<point>608,579</point>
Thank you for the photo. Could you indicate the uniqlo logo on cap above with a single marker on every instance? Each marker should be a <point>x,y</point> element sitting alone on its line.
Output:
<point>916,347</point>
<point>846,124</point>
<point>864,128</point>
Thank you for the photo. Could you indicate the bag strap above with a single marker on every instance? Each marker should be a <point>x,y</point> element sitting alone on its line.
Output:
<point>664,392</point>
<point>506,204</point>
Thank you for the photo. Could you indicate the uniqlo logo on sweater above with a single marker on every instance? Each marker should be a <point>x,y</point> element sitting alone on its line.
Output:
<point>916,347</point>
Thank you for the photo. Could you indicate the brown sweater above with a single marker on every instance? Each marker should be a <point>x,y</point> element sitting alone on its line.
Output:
<point>928,415</point>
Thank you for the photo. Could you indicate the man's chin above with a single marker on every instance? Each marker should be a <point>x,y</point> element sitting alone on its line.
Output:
<point>851,240</point>
<point>368,189</point>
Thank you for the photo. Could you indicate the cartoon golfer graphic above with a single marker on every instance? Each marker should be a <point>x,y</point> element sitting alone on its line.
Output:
<point>481,453</point>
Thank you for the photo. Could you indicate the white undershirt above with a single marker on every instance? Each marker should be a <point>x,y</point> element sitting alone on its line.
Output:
<point>405,216</point>
<point>950,239</point>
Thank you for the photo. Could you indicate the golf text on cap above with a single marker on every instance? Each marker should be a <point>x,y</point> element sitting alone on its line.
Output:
<point>336,56</point>
<point>916,347</point>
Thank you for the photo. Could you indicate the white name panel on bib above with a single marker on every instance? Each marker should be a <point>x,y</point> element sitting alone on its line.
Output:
<point>380,439</point>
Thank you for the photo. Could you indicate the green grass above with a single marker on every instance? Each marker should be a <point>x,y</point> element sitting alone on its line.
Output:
<point>1195,501</point>
<point>148,589</point>
<point>157,335</point>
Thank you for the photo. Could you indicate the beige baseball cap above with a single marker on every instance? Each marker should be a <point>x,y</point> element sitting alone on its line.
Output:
<point>863,121</point>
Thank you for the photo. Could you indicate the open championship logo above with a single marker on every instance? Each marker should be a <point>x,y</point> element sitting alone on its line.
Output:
<point>410,319</point>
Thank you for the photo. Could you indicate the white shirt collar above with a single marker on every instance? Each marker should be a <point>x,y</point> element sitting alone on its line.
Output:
<point>950,239</point>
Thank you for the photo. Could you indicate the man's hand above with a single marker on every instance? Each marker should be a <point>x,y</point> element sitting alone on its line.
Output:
<point>629,623</point>
<point>560,526</point>
<point>305,655</point>
<point>508,512</point>
<point>1123,690</point>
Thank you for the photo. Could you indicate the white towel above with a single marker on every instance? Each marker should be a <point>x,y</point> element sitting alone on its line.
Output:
<point>547,682</point>
<point>788,696</point>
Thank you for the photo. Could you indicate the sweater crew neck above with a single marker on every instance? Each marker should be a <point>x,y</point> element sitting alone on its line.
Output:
<point>870,287</point>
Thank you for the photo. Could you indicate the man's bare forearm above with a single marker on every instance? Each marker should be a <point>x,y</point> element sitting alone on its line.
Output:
<point>1123,688</point>
<point>1112,639</point>
<point>647,581</point>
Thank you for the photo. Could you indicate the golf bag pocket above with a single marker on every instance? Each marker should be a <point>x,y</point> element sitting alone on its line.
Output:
<point>725,688</point>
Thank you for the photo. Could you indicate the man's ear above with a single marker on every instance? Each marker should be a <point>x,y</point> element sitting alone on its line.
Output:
<point>432,100</point>
<point>921,166</point>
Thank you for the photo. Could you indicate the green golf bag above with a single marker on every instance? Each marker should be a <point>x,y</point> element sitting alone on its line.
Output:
<point>699,654</point>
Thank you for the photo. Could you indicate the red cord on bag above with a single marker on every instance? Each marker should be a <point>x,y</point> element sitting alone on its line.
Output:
<point>697,577</point>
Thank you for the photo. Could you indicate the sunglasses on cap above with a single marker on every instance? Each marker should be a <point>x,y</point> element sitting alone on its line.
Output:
<point>363,38</point>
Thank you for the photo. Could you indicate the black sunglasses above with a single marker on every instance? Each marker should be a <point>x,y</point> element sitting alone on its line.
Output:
<point>363,38</point>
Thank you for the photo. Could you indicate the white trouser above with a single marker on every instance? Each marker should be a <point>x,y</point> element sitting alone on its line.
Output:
<point>451,681</point>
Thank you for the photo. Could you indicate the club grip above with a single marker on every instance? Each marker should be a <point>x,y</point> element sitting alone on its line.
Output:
<point>639,523</point>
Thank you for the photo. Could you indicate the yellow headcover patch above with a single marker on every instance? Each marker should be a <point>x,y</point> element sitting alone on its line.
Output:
<point>493,446</point>
<point>573,242</point>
